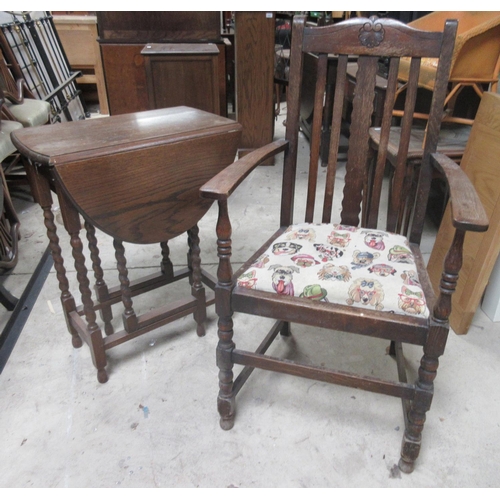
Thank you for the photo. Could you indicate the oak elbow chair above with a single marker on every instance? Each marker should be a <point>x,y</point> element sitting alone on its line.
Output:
<point>353,274</point>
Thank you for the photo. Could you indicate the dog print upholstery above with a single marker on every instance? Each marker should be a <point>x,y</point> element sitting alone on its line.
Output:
<point>368,269</point>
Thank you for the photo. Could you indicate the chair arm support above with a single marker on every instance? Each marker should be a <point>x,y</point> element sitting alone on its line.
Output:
<point>467,211</point>
<point>224,183</point>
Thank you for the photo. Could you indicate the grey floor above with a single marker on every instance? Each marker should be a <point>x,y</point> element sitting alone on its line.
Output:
<point>155,422</point>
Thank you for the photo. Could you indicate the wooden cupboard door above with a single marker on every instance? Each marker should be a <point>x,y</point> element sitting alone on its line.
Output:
<point>254,53</point>
<point>125,75</point>
<point>183,75</point>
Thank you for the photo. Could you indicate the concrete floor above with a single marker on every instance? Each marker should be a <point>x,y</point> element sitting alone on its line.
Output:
<point>155,423</point>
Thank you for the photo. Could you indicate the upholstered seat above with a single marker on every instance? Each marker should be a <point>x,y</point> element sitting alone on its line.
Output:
<point>31,113</point>
<point>341,264</point>
<point>6,146</point>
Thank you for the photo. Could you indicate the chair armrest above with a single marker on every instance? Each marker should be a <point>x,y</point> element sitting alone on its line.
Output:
<point>224,183</point>
<point>467,211</point>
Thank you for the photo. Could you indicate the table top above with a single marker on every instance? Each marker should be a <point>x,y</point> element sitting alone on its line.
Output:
<point>137,176</point>
<point>72,141</point>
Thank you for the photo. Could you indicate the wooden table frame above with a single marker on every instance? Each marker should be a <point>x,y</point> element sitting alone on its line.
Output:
<point>156,142</point>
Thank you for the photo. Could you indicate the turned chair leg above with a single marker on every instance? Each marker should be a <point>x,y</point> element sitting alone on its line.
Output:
<point>412,438</point>
<point>226,398</point>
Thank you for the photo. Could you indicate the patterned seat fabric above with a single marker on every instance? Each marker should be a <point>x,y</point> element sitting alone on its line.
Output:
<point>341,264</point>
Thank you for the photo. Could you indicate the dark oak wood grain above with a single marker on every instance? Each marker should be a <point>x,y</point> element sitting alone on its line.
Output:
<point>183,75</point>
<point>125,76</point>
<point>159,26</point>
<point>254,60</point>
<point>137,178</point>
<point>123,36</point>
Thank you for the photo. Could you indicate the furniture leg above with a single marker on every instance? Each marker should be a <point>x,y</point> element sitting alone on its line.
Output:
<point>416,416</point>
<point>7,299</point>
<point>392,349</point>
<point>197,289</point>
<point>167,267</point>
<point>285,329</point>
<point>226,398</point>
<point>42,194</point>
<point>433,348</point>
<point>100,287</point>
<point>129,316</point>
<point>67,300</point>
<point>93,331</point>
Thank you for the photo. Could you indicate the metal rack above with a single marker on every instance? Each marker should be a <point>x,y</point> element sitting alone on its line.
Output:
<point>32,44</point>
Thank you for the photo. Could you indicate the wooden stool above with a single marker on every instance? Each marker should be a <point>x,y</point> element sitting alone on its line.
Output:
<point>136,177</point>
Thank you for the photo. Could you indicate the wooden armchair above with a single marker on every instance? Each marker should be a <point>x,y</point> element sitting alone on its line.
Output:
<point>368,278</point>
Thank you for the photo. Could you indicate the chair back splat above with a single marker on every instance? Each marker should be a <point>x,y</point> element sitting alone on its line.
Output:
<point>373,41</point>
<point>348,262</point>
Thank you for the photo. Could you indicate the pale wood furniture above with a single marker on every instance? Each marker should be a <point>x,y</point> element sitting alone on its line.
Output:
<point>184,74</point>
<point>476,58</point>
<point>78,35</point>
<point>481,162</point>
<point>136,177</point>
<point>312,281</point>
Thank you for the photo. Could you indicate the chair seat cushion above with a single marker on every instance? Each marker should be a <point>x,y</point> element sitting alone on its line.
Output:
<point>31,113</point>
<point>365,268</point>
<point>6,146</point>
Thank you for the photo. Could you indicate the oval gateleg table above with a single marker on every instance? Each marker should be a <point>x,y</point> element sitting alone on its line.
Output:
<point>135,177</point>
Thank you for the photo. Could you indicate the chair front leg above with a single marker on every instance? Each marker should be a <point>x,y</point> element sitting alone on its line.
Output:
<point>434,347</point>
<point>421,403</point>
<point>226,398</point>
